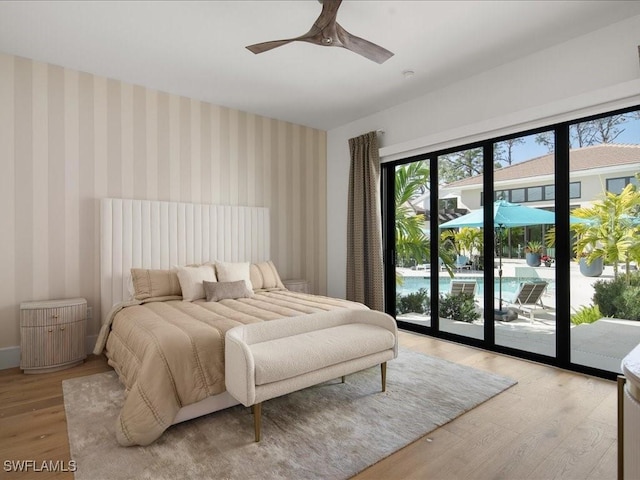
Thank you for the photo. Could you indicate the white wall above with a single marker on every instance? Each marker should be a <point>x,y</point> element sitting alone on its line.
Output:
<point>590,74</point>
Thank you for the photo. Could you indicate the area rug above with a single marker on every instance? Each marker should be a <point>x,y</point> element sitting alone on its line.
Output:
<point>330,431</point>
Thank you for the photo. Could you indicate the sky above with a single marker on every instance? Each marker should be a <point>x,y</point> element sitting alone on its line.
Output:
<point>530,149</point>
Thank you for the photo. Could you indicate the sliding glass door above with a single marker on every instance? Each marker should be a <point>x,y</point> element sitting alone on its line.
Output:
<point>461,309</point>
<point>412,275</point>
<point>605,213</point>
<point>524,202</point>
<point>527,244</point>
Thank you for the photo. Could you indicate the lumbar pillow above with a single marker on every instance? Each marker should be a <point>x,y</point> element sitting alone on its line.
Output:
<point>264,276</point>
<point>217,291</point>
<point>191,279</point>
<point>231,272</point>
<point>149,283</point>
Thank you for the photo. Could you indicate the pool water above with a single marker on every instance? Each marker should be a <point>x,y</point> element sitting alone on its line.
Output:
<point>510,285</point>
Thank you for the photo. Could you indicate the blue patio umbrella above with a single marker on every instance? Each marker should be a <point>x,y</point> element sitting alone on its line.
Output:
<point>506,215</point>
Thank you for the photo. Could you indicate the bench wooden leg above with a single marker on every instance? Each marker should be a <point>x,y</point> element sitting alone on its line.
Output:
<point>257,419</point>
<point>383,369</point>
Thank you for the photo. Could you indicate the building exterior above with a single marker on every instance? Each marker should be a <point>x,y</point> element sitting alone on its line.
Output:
<point>593,170</point>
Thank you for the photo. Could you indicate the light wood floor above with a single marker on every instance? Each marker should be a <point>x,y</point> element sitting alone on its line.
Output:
<point>552,424</point>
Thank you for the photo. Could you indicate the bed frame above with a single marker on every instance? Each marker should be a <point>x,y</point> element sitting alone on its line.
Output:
<point>154,234</point>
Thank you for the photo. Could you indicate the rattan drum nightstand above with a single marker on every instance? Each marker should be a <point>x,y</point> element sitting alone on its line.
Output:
<point>52,334</point>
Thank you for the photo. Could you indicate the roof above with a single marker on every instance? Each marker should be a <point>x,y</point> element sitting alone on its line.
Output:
<point>587,158</point>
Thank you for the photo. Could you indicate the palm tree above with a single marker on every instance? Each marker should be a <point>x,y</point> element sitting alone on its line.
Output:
<point>411,242</point>
<point>610,231</point>
<point>466,241</point>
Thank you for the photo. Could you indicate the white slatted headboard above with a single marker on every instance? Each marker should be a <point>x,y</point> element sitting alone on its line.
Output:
<point>152,234</point>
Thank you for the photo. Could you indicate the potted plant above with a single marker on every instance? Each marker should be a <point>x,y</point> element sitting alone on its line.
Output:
<point>608,231</point>
<point>590,267</point>
<point>547,260</point>
<point>533,252</point>
<point>467,244</point>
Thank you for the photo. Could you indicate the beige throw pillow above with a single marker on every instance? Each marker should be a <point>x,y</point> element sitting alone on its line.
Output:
<point>148,283</point>
<point>264,275</point>
<point>191,279</point>
<point>216,291</point>
<point>231,272</point>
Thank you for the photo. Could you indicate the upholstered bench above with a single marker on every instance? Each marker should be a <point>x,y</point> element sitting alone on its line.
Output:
<point>268,359</point>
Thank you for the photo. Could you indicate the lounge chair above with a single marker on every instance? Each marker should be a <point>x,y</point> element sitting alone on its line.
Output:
<point>458,287</point>
<point>528,298</point>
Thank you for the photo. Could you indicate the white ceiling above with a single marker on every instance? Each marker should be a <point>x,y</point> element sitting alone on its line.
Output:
<point>196,49</point>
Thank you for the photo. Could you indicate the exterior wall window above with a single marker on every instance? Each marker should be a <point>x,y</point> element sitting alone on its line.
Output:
<point>616,185</point>
<point>575,190</point>
<point>550,192</point>
<point>517,195</point>
<point>534,194</point>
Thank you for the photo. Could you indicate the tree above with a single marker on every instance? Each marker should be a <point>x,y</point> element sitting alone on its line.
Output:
<point>503,151</point>
<point>607,129</point>
<point>610,231</point>
<point>412,244</point>
<point>547,140</point>
<point>460,165</point>
<point>592,132</point>
<point>467,241</point>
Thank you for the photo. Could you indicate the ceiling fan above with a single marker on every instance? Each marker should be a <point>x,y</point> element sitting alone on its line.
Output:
<point>327,32</point>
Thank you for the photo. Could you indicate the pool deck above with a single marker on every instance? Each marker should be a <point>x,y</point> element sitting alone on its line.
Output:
<point>601,344</point>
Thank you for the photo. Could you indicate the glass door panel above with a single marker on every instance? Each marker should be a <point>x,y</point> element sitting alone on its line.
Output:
<point>605,208</point>
<point>524,243</point>
<point>461,249</point>
<point>413,269</point>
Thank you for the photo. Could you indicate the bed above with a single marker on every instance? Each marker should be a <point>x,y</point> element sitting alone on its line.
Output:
<point>169,352</point>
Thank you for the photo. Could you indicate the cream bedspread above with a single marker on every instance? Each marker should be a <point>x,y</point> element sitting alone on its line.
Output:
<point>170,354</point>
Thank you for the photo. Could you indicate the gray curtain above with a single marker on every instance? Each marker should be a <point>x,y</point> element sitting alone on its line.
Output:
<point>364,233</point>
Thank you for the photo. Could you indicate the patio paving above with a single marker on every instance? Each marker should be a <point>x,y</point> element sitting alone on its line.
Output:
<point>602,344</point>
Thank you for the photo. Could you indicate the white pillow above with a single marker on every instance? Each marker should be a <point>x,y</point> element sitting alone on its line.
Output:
<point>191,279</point>
<point>232,272</point>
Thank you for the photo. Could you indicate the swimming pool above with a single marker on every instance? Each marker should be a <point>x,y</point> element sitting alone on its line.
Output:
<point>413,284</point>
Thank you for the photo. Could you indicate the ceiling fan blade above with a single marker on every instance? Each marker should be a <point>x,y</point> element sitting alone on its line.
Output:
<point>363,47</point>
<point>328,14</point>
<point>265,46</point>
<point>326,18</point>
<point>311,36</point>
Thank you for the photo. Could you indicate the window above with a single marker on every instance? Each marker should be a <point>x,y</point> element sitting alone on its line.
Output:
<point>448,204</point>
<point>521,195</point>
<point>549,192</point>
<point>534,194</point>
<point>517,195</point>
<point>574,190</point>
<point>616,185</point>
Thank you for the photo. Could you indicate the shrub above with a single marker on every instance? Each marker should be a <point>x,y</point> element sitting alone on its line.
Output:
<point>416,302</point>
<point>630,303</point>
<point>586,314</point>
<point>619,297</point>
<point>459,307</point>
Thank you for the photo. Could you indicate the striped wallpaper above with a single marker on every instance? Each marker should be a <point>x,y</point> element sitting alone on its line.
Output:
<point>69,138</point>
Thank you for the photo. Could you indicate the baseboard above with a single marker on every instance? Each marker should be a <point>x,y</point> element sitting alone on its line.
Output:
<point>10,356</point>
